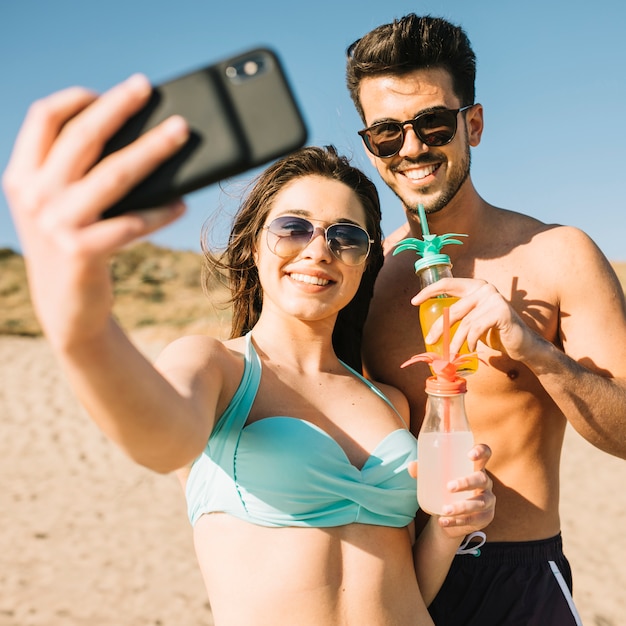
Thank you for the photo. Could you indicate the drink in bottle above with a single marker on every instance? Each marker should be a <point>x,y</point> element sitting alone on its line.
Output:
<point>443,444</point>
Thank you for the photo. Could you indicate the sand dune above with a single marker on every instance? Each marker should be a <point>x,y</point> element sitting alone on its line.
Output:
<point>90,538</point>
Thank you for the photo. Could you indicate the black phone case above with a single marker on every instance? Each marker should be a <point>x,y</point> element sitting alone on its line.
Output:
<point>242,113</point>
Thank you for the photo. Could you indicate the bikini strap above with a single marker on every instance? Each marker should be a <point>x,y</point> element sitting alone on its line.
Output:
<point>234,417</point>
<point>375,389</point>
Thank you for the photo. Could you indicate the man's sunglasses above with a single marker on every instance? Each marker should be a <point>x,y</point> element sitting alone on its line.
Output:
<point>288,235</point>
<point>433,128</point>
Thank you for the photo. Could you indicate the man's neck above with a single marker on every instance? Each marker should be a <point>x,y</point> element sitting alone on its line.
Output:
<point>466,213</point>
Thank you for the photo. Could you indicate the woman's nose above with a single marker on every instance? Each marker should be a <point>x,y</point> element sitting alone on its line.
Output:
<point>317,246</point>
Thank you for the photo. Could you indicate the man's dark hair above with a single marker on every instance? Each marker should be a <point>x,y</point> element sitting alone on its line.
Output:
<point>413,43</point>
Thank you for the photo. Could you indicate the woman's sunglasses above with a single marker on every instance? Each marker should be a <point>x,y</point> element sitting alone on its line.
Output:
<point>288,235</point>
<point>434,128</point>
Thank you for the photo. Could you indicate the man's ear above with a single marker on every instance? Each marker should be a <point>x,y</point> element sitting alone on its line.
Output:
<point>475,124</point>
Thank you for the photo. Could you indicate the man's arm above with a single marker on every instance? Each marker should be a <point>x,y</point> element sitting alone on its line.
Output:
<point>587,380</point>
<point>587,377</point>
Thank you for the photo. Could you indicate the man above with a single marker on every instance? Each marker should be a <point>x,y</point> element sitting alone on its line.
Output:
<point>540,304</point>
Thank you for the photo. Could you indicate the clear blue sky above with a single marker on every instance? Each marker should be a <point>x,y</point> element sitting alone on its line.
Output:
<point>551,77</point>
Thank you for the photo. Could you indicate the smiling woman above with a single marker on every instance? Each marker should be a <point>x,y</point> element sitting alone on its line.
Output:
<point>302,442</point>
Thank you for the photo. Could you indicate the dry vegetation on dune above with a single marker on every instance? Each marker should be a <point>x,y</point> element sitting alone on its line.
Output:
<point>620,270</point>
<point>155,288</point>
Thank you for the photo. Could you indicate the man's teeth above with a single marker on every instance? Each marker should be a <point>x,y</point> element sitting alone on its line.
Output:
<point>311,280</point>
<point>421,173</point>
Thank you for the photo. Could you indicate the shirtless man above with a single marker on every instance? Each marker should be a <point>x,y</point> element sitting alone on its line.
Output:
<point>540,303</point>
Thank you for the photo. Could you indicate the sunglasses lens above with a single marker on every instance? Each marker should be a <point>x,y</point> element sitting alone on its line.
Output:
<point>349,243</point>
<point>437,128</point>
<point>384,139</point>
<point>289,235</point>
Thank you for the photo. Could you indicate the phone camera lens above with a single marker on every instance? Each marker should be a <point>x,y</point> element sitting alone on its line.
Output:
<point>250,68</point>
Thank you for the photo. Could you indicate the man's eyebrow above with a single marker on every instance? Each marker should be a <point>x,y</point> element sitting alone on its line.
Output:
<point>433,109</point>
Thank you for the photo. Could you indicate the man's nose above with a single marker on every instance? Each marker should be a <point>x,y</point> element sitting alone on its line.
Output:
<point>411,145</point>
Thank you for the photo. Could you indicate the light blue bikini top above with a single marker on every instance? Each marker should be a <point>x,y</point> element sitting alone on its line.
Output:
<point>284,471</point>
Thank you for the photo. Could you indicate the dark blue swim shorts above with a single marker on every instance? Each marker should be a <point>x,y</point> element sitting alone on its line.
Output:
<point>508,584</point>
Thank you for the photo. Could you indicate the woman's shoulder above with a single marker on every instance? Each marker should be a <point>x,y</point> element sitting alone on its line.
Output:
<point>205,368</point>
<point>203,354</point>
<point>194,347</point>
<point>397,399</point>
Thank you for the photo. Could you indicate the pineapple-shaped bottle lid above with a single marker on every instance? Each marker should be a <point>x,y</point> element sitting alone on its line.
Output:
<point>430,246</point>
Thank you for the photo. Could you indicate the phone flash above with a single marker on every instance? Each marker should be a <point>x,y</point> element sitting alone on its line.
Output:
<point>250,68</point>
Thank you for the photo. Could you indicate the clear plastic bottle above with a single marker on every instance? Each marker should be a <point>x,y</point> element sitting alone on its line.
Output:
<point>443,444</point>
<point>430,269</point>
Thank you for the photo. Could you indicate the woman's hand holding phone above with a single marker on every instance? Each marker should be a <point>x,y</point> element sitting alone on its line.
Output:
<point>57,190</point>
<point>80,157</point>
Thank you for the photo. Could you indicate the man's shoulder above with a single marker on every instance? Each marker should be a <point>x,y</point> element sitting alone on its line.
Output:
<point>507,217</point>
<point>521,230</point>
<point>534,233</point>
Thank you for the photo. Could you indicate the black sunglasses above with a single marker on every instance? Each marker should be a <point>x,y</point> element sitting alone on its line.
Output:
<point>433,128</point>
<point>288,235</point>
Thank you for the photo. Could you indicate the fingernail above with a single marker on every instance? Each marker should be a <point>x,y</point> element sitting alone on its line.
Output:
<point>453,485</point>
<point>139,83</point>
<point>447,510</point>
<point>176,126</point>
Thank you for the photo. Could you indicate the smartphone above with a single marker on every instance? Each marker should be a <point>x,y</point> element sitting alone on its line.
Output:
<point>242,113</point>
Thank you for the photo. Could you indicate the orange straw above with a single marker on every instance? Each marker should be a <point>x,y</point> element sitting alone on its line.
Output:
<point>446,357</point>
<point>446,334</point>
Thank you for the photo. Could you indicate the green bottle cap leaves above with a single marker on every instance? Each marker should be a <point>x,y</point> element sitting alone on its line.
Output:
<point>429,248</point>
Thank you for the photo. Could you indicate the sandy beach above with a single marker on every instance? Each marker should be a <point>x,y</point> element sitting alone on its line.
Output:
<point>89,538</point>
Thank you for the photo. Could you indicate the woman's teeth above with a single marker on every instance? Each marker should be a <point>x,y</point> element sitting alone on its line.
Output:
<point>311,280</point>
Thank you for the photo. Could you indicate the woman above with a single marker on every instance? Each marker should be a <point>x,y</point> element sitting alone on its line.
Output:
<point>298,491</point>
